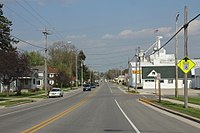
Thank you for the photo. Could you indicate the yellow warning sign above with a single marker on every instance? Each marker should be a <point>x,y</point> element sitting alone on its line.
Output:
<point>186,64</point>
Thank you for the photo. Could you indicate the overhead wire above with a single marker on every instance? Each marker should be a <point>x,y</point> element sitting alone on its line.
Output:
<point>184,26</point>
<point>27,42</point>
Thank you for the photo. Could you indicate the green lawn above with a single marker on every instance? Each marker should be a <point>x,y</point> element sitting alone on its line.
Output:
<point>193,100</point>
<point>178,107</point>
<point>15,102</point>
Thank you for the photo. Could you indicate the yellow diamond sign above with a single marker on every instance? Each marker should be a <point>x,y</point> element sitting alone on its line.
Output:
<point>186,64</point>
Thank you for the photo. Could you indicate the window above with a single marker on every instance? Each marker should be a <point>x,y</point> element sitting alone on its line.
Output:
<point>33,81</point>
<point>161,81</point>
<point>149,80</point>
<point>38,82</point>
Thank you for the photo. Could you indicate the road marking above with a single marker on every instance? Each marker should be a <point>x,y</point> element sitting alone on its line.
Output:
<point>130,122</point>
<point>58,116</point>
<point>54,118</point>
<point>110,89</point>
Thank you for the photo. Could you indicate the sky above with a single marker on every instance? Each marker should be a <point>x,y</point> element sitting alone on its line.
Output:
<point>108,31</point>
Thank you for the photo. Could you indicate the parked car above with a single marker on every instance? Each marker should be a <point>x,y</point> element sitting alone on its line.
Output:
<point>56,92</point>
<point>86,87</point>
<point>93,85</point>
<point>97,83</point>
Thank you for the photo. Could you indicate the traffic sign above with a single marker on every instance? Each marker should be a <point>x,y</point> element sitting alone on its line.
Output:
<point>186,64</point>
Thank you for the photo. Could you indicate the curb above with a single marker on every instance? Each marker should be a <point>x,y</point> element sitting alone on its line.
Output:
<point>171,111</point>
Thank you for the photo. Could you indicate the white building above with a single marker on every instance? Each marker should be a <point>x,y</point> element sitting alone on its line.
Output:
<point>144,73</point>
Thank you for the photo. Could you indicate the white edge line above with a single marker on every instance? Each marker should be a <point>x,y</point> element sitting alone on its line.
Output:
<point>130,122</point>
<point>110,89</point>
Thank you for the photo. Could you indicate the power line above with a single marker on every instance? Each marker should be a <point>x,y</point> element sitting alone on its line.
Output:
<point>27,42</point>
<point>184,26</point>
<point>60,35</point>
<point>21,17</point>
<point>29,12</point>
<point>36,12</point>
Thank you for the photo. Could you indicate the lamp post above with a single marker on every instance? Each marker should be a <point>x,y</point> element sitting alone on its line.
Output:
<point>176,57</point>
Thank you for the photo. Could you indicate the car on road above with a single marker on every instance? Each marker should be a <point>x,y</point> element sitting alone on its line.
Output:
<point>86,87</point>
<point>97,83</point>
<point>56,92</point>
<point>93,85</point>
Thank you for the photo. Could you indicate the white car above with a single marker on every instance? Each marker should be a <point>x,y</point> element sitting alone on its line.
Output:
<point>56,92</point>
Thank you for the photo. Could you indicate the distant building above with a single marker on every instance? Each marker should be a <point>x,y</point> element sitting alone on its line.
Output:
<point>144,72</point>
<point>52,74</point>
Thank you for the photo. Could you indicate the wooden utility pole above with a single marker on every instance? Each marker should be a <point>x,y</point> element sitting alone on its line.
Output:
<point>176,57</point>
<point>186,54</point>
<point>46,33</point>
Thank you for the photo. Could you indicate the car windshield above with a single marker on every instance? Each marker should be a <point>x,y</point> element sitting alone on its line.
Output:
<point>86,85</point>
<point>55,90</point>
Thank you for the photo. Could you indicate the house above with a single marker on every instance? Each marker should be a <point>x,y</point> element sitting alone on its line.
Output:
<point>52,74</point>
<point>29,81</point>
<point>40,79</point>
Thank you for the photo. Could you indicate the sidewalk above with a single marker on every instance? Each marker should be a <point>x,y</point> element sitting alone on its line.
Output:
<point>170,92</point>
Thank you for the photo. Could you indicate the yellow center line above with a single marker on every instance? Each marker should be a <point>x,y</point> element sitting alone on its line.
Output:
<point>58,116</point>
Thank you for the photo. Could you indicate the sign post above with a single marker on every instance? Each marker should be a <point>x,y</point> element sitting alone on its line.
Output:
<point>186,65</point>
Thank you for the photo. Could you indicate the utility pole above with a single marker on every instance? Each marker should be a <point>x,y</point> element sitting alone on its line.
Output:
<point>185,54</point>
<point>139,60</point>
<point>46,33</point>
<point>76,71</point>
<point>136,60</point>
<point>176,57</point>
<point>82,73</point>
<point>128,78</point>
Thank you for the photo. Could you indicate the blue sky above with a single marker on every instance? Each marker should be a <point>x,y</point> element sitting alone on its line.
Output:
<point>108,31</point>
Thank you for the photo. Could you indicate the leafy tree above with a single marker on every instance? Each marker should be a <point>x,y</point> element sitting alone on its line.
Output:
<point>35,58</point>
<point>62,56</point>
<point>12,66</point>
<point>5,37</point>
<point>12,63</point>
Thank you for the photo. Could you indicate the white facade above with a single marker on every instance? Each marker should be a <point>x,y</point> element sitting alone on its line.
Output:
<point>196,79</point>
<point>159,58</point>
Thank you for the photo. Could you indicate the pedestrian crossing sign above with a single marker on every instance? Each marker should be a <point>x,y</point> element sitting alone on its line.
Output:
<point>186,64</point>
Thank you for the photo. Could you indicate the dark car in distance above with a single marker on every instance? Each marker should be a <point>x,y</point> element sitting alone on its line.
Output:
<point>86,87</point>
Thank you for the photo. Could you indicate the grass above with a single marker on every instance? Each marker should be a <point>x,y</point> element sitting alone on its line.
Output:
<point>133,91</point>
<point>23,94</point>
<point>15,102</point>
<point>193,100</point>
<point>178,107</point>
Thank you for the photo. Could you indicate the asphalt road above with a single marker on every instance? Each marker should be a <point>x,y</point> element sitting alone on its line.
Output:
<point>105,109</point>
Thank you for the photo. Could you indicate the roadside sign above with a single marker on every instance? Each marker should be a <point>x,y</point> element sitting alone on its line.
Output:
<point>186,64</point>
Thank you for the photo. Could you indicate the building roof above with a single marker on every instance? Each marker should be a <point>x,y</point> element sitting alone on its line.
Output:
<point>166,72</point>
<point>52,70</point>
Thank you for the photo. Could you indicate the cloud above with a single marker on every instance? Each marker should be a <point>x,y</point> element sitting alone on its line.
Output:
<point>194,28</point>
<point>143,33</point>
<point>76,37</point>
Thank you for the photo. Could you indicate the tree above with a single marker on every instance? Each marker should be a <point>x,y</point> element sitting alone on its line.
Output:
<point>35,58</point>
<point>12,64</point>
<point>5,37</point>
<point>62,57</point>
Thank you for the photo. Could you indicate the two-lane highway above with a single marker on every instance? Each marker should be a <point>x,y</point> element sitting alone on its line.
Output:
<point>105,109</point>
